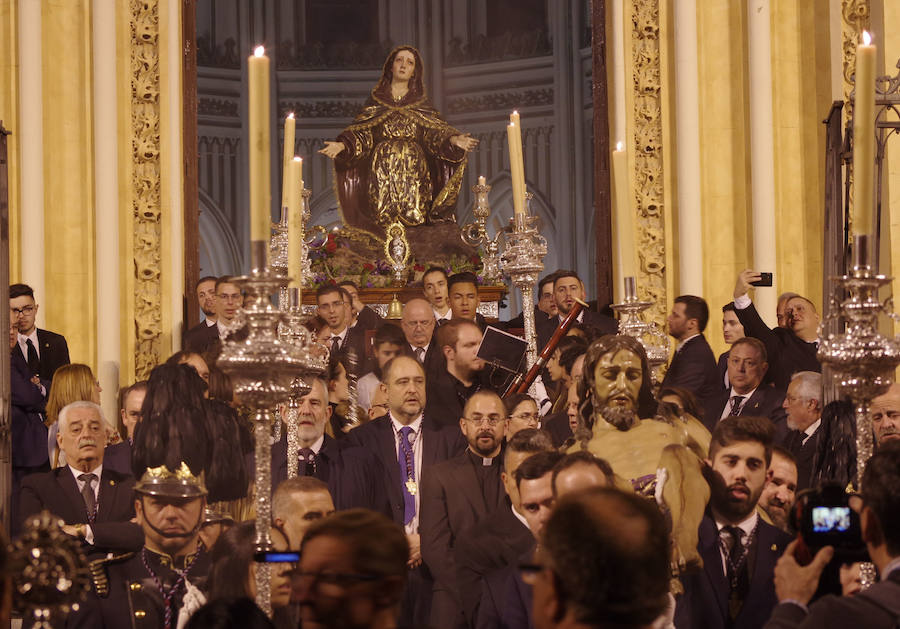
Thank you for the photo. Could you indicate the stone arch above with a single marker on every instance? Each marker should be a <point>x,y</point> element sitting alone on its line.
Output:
<point>220,251</point>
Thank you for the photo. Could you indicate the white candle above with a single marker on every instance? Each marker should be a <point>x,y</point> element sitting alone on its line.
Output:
<point>295,225</point>
<point>481,180</point>
<point>258,148</point>
<point>289,130</point>
<point>516,165</point>
<point>864,137</point>
<point>624,227</point>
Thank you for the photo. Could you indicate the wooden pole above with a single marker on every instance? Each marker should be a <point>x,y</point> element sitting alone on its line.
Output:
<point>189,140</point>
<point>5,401</point>
<point>601,150</point>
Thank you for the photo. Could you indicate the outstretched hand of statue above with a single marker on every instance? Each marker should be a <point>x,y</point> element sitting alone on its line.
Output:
<point>464,141</point>
<point>332,149</point>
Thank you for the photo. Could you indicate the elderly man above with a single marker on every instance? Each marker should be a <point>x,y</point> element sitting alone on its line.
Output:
<point>96,503</point>
<point>458,494</point>
<point>885,412</point>
<point>149,588</point>
<point>803,404</point>
<point>352,572</point>
<point>407,443</point>
<point>297,503</point>
<point>780,489</point>
<point>791,348</point>
<point>748,394</point>
<point>417,323</point>
<point>616,529</point>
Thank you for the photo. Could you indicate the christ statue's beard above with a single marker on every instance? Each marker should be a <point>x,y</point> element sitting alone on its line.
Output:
<point>621,418</point>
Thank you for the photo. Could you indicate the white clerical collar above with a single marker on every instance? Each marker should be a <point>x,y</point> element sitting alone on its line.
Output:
<point>682,343</point>
<point>520,517</point>
<point>746,525</point>
<point>416,424</point>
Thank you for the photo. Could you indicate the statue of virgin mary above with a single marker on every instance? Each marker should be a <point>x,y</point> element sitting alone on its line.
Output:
<point>398,161</point>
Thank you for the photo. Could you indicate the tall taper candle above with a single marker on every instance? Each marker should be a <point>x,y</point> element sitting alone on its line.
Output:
<point>864,136</point>
<point>516,165</point>
<point>289,130</point>
<point>295,220</point>
<point>624,231</point>
<point>258,138</point>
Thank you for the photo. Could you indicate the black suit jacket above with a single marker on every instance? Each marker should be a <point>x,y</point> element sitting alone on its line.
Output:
<point>58,492</point>
<point>434,362</point>
<point>452,502</point>
<point>518,322</point>
<point>118,457</point>
<point>788,353</point>
<point>443,404</point>
<point>377,437</point>
<point>201,337</point>
<point>722,366</point>
<point>694,368</point>
<point>368,319</point>
<point>351,473</point>
<point>765,402</point>
<point>704,604</point>
<point>355,339</point>
<point>804,453</point>
<point>498,543</point>
<point>29,434</point>
<point>54,352</point>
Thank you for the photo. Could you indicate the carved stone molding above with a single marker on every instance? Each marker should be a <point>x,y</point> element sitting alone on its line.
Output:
<point>145,182</point>
<point>534,43</point>
<point>648,158</point>
<point>346,109</point>
<point>218,107</point>
<point>500,101</point>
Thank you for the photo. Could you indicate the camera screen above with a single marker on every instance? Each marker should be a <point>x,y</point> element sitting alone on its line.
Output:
<point>830,519</point>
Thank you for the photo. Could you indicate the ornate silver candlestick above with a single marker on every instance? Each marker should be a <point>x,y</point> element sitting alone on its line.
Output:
<point>862,360</point>
<point>475,235</point>
<point>655,342</point>
<point>523,260</point>
<point>263,369</point>
<point>50,573</point>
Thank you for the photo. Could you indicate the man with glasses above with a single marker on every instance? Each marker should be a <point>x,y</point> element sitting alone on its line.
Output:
<point>228,301</point>
<point>418,323</point>
<point>352,572</point>
<point>44,351</point>
<point>333,306</point>
<point>458,494</point>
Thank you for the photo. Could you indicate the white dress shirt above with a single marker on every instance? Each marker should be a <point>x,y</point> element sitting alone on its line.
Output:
<point>98,471</point>
<point>746,526</point>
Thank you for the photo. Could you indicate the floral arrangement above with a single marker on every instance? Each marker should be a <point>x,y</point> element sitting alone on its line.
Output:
<point>333,260</point>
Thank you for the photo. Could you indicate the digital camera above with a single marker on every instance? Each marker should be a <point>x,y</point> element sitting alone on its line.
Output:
<point>824,518</point>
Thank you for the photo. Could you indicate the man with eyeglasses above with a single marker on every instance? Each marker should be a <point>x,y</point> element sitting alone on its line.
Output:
<point>418,323</point>
<point>458,494</point>
<point>44,351</point>
<point>333,306</point>
<point>352,572</point>
<point>228,301</point>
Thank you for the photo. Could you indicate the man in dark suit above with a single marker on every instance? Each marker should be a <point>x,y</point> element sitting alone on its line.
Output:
<point>44,351</point>
<point>418,324</point>
<point>693,366</point>
<point>732,330</point>
<point>202,334</point>
<point>885,410</point>
<point>450,387</point>
<point>95,503</point>
<point>352,474</point>
<point>748,393</point>
<point>803,404</point>
<point>567,288</point>
<point>792,348</point>
<point>462,289</point>
<point>458,494</point>
<point>877,607</point>
<point>739,550</point>
<point>544,309</point>
<point>334,306</point>
<point>504,535</point>
<point>429,444</point>
<point>202,337</point>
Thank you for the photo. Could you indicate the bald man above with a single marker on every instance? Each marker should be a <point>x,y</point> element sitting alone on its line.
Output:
<point>418,325</point>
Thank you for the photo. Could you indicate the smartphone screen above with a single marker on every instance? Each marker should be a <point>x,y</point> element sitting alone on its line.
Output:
<point>830,519</point>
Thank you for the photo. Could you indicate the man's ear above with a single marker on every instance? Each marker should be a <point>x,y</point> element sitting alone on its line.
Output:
<point>871,527</point>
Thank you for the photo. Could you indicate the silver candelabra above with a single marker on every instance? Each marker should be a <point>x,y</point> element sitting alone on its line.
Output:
<point>862,360</point>
<point>631,323</point>
<point>475,235</point>
<point>263,369</point>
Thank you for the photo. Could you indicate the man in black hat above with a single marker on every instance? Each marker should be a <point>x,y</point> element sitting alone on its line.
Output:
<point>149,587</point>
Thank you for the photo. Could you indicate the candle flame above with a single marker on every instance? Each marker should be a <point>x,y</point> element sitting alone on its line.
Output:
<point>515,112</point>
<point>259,51</point>
<point>620,146</point>
<point>866,38</point>
<point>512,124</point>
<point>291,115</point>
<point>298,159</point>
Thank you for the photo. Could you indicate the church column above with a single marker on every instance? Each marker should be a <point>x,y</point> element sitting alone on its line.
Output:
<point>762,153</point>
<point>687,131</point>
<point>106,202</point>
<point>890,221</point>
<point>31,152</point>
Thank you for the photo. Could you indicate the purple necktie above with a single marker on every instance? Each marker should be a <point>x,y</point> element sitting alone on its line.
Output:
<point>407,462</point>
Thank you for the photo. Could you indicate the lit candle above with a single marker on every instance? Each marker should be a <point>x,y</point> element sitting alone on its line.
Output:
<point>516,166</point>
<point>481,180</point>
<point>864,137</point>
<point>624,227</point>
<point>289,127</point>
<point>295,224</point>
<point>258,145</point>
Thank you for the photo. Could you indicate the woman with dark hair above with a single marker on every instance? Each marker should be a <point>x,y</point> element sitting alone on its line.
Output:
<point>399,161</point>
<point>232,570</point>
<point>180,424</point>
<point>521,413</point>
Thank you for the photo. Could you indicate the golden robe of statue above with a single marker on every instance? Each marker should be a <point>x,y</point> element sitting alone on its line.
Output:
<point>398,160</point>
